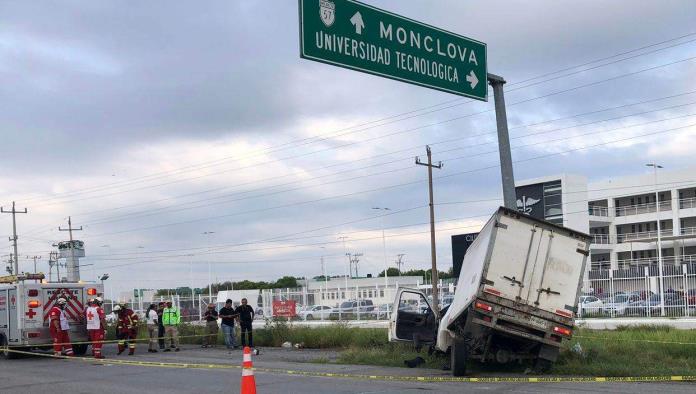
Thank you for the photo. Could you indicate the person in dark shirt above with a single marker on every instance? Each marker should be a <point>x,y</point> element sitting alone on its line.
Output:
<point>228,315</point>
<point>246,316</point>
<point>211,325</point>
<point>160,325</point>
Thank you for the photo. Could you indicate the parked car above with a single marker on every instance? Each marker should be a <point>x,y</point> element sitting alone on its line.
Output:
<point>350,309</point>
<point>617,305</point>
<point>589,305</point>
<point>649,307</point>
<point>382,312</point>
<point>315,312</point>
<point>691,297</point>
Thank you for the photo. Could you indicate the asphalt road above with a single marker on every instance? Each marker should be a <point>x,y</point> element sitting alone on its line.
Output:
<point>42,375</point>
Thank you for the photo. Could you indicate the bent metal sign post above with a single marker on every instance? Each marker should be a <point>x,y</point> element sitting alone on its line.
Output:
<point>360,37</point>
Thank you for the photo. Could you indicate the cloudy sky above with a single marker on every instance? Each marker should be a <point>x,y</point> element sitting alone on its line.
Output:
<point>151,124</point>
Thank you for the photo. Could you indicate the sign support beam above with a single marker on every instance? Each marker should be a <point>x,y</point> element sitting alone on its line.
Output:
<point>507,175</point>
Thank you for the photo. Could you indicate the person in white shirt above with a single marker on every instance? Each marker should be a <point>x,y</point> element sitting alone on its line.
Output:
<point>152,327</point>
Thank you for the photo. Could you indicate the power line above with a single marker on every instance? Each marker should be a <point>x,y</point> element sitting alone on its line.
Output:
<point>391,186</point>
<point>167,209</point>
<point>265,151</point>
<point>538,97</point>
<point>399,151</point>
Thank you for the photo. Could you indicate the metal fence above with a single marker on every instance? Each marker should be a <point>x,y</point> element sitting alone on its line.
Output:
<point>640,292</point>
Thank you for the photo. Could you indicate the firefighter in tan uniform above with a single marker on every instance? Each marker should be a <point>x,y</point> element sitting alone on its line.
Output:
<point>126,329</point>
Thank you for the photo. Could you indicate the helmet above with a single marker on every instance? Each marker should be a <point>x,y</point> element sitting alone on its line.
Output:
<point>117,308</point>
<point>61,301</point>
<point>99,300</point>
<point>90,301</point>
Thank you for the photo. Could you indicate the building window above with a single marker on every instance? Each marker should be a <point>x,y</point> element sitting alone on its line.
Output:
<point>381,293</point>
<point>343,294</point>
<point>553,202</point>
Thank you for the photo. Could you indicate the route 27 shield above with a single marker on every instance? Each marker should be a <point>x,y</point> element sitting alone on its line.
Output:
<point>327,12</point>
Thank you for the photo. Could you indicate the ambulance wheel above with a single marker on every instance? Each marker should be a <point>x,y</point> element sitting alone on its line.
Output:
<point>5,350</point>
<point>80,349</point>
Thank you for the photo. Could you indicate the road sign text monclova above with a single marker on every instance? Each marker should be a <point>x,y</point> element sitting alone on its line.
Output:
<point>357,36</point>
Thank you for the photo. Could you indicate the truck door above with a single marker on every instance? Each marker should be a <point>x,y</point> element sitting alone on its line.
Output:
<point>4,316</point>
<point>13,329</point>
<point>413,320</point>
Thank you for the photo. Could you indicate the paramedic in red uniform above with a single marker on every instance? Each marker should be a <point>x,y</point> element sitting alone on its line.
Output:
<point>127,329</point>
<point>60,328</point>
<point>96,325</point>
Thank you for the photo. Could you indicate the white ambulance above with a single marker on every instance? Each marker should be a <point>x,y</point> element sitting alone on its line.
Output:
<point>24,308</point>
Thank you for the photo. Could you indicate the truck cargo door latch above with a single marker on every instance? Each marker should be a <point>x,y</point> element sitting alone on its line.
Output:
<point>548,290</point>
<point>514,281</point>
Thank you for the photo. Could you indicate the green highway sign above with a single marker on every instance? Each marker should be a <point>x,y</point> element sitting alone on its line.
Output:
<point>357,36</point>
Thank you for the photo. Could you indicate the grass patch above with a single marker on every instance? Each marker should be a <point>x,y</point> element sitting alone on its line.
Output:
<point>635,351</point>
<point>626,351</point>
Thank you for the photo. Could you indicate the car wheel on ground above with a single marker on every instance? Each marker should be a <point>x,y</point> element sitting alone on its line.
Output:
<point>310,317</point>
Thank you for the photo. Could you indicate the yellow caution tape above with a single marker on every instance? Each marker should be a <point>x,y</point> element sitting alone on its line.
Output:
<point>427,379</point>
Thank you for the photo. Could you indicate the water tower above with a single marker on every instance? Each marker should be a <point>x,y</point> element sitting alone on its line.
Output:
<point>71,251</point>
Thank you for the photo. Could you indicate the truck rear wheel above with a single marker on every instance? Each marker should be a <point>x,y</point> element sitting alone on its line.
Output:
<point>542,365</point>
<point>5,350</point>
<point>459,354</point>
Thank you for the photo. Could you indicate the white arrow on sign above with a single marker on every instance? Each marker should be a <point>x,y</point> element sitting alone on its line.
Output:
<point>471,78</point>
<point>357,21</point>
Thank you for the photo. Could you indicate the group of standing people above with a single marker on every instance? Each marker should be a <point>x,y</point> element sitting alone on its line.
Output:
<point>163,327</point>
<point>162,322</point>
<point>228,314</point>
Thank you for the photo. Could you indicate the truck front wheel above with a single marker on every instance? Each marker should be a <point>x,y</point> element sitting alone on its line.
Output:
<point>459,354</point>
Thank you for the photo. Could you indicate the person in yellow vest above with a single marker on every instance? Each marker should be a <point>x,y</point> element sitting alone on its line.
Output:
<point>171,317</point>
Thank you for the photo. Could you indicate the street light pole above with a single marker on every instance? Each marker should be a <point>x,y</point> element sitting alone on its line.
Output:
<point>210,272</point>
<point>384,247</point>
<point>659,238</point>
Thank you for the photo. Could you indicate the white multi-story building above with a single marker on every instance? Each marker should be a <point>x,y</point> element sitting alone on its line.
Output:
<point>624,213</point>
<point>621,214</point>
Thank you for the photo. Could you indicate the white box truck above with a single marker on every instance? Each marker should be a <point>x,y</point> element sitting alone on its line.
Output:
<point>515,298</point>
<point>24,308</point>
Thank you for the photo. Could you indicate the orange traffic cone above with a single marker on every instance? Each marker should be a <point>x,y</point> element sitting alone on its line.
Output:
<point>248,381</point>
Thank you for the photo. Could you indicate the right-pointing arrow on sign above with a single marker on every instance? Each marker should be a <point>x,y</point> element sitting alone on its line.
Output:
<point>471,78</point>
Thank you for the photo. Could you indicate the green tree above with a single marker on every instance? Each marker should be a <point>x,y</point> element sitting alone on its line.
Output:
<point>390,272</point>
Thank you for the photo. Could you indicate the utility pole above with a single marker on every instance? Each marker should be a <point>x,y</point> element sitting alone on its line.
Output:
<point>72,268</point>
<point>399,261</point>
<point>355,259</point>
<point>10,262</point>
<point>34,258</point>
<point>14,234</point>
<point>345,251</point>
<point>53,260</point>
<point>434,279</point>
<point>507,175</point>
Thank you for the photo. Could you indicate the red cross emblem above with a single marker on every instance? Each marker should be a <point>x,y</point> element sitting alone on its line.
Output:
<point>30,313</point>
<point>90,315</point>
